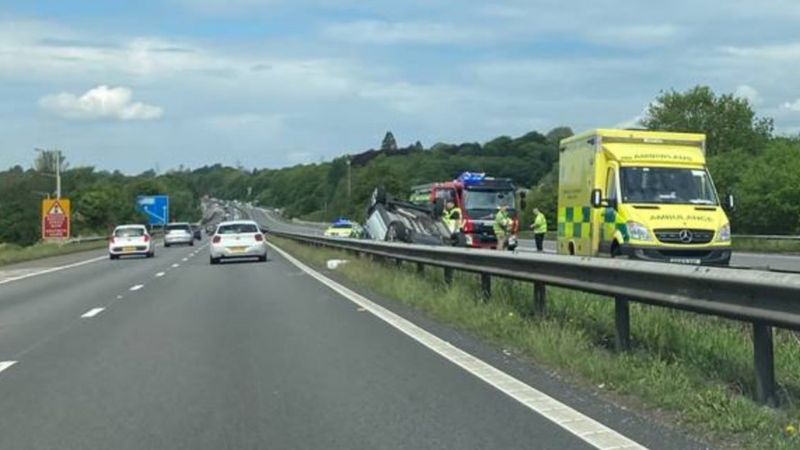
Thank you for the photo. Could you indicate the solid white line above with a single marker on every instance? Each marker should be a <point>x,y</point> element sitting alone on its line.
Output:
<point>6,364</point>
<point>176,265</point>
<point>53,269</point>
<point>160,274</point>
<point>580,425</point>
<point>92,312</point>
<point>136,287</point>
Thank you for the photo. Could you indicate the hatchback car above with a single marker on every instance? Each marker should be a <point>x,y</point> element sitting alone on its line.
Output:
<point>130,240</point>
<point>180,233</point>
<point>237,239</point>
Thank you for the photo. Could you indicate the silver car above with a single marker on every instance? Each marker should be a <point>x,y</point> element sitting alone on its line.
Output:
<point>179,233</point>
<point>237,239</point>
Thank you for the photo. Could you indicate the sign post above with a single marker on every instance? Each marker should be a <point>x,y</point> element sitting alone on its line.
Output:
<point>155,207</point>
<point>55,219</point>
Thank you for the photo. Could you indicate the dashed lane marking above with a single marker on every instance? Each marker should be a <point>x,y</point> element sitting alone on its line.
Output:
<point>580,425</point>
<point>176,265</point>
<point>92,312</point>
<point>160,274</point>
<point>6,364</point>
<point>136,287</point>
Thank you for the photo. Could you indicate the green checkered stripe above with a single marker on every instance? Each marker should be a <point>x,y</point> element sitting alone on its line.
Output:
<point>574,222</point>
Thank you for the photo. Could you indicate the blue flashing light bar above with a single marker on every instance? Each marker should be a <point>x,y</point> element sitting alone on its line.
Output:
<point>471,178</point>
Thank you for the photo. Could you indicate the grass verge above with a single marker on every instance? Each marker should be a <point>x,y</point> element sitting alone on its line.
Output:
<point>10,254</point>
<point>697,370</point>
<point>765,245</point>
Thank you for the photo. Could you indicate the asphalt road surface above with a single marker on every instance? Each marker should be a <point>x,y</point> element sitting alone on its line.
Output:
<point>173,353</point>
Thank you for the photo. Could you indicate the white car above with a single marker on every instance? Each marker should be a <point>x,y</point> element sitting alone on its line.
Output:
<point>178,233</point>
<point>237,239</point>
<point>130,240</point>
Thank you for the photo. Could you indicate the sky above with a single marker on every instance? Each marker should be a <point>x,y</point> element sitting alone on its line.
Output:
<point>270,83</point>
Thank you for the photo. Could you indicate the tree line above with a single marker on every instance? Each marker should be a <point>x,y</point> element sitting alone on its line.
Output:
<point>744,156</point>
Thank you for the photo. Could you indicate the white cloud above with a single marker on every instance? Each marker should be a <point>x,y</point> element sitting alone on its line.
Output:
<point>382,32</point>
<point>793,106</point>
<point>635,35</point>
<point>786,52</point>
<point>102,102</point>
<point>749,93</point>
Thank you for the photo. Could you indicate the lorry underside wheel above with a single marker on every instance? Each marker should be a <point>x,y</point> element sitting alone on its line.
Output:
<point>571,248</point>
<point>397,232</point>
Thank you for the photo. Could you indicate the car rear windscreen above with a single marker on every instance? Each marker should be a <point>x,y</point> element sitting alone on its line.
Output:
<point>237,228</point>
<point>129,232</point>
<point>179,227</point>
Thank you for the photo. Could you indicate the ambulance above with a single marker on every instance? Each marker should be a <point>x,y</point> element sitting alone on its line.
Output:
<point>646,195</point>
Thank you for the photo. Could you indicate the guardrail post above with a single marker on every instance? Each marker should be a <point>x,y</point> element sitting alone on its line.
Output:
<point>420,268</point>
<point>448,275</point>
<point>763,357</point>
<point>486,286</point>
<point>539,297</point>
<point>398,261</point>
<point>622,319</point>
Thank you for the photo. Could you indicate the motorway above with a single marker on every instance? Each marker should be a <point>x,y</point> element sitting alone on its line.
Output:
<point>743,260</point>
<point>173,353</point>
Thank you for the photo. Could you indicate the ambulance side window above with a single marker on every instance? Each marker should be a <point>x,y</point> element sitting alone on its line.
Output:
<point>611,186</point>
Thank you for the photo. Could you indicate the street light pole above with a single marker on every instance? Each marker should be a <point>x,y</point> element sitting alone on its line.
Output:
<point>58,174</point>
<point>349,179</point>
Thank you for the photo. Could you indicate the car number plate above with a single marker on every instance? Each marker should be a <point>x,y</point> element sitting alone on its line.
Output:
<point>238,249</point>
<point>685,261</point>
<point>128,249</point>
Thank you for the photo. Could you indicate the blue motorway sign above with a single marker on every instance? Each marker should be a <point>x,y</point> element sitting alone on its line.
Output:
<point>155,207</point>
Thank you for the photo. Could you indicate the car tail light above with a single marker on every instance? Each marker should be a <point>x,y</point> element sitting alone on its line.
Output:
<point>216,239</point>
<point>147,238</point>
<point>259,237</point>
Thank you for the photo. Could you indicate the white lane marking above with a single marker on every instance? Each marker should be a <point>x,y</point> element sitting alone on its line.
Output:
<point>53,269</point>
<point>92,312</point>
<point>185,259</point>
<point>6,364</point>
<point>119,297</point>
<point>176,265</point>
<point>160,274</point>
<point>580,425</point>
<point>136,287</point>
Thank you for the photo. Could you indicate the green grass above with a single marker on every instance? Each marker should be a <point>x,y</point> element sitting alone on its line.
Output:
<point>766,245</point>
<point>696,370</point>
<point>10,254</point>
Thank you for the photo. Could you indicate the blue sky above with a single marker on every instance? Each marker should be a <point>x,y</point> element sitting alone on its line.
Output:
<point>269,83</point>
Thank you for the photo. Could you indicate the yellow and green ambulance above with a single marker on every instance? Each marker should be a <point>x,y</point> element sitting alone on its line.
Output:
<point>643,194</point>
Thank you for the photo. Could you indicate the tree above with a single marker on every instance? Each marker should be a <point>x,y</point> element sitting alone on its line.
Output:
<point>47,161</point>
<point>728,122</point>
<point>558,133</point>
<point>389,143</point>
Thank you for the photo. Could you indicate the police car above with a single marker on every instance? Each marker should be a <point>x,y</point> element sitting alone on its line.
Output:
<point>341,228</point>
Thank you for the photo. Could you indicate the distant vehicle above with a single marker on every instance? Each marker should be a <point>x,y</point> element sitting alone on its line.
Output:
<point>237,239</point>
<point>178,233</point>
<point>130,240</point>
<point>394,220</point>
<point>341,228</point>
<point>478,197</point>
<point>197,231</point>
<point>642,194</point>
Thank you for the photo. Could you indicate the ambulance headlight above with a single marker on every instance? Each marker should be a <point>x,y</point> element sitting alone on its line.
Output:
<point>724,234</point>
<point>638,232</point>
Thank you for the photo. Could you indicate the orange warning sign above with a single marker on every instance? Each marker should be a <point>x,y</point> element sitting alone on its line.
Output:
<point>55,219</point>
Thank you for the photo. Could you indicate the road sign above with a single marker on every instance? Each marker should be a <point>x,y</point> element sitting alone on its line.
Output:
<point>155,207</point>
<point>55,218</point>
